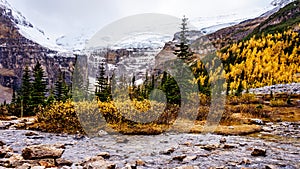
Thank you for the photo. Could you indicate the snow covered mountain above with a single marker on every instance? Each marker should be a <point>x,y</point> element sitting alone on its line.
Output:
<point>76,40</point>
<point>27,29</point>
<point>207,25</point>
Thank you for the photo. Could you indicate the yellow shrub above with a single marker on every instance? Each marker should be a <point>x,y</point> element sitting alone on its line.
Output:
<point>278,103</point>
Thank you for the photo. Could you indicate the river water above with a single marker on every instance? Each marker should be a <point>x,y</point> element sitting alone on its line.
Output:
<point>282,152</point>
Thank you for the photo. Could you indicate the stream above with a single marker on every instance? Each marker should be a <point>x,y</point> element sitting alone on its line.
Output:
<point>170,150</point>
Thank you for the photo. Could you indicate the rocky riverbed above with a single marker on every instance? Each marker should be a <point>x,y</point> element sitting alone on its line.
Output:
<point>281,149</point>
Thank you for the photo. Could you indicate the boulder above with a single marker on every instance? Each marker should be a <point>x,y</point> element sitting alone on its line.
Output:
<point>42,151</point>
<point>168,151</point>
<point>12,118</point>
<point>98,162</point>
<point>140,162</point>
<point>210,147</point>
<point>229,146</point>
<point>4,150</point>
<point>105,155</point>
<point>24,166</point>
<point>63,162</point>
<point>31,133</point>
<point>179,158</point>
<point>49,162</point>
<point>259,152</point>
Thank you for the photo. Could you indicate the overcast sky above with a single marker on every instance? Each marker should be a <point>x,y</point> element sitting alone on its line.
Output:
<point>59,17</point>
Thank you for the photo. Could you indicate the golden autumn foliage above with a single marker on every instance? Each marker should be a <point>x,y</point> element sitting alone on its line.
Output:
<point>91,116</point>
<point>268,60</point>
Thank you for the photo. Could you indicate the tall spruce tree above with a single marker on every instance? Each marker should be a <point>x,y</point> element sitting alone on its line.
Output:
<point>62,91</point>
<point>102,90</point>
<point>170,88</point>
<point>39,86</point>
<point>25,95</point>
<point>183,50</point>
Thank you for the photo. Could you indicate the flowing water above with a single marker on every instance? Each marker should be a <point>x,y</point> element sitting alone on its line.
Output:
<point>282,151</point>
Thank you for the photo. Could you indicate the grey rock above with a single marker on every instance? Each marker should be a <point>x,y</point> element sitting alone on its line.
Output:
<point>98,162</point>
<point>42,151</point>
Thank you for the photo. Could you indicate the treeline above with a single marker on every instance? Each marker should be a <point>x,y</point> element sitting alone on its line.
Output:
<point>34,93</point>
<point>266,60</point>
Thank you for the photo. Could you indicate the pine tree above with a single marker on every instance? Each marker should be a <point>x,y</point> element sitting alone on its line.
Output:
<point>25,96</point>
<point>58,92</point>
<point>102,85</point>
<point>183,51</point>
<point>39,86</point>
<point>170,88</point>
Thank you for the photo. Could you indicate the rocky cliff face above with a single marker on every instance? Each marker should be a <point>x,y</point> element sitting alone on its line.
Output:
<point>17,51</point>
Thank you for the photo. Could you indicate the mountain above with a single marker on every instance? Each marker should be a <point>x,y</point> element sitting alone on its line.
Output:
<point>284,15</point>
<point>77,39</point>
<point>26,29</point>
<point>21,43</point>
<point>18,50</point>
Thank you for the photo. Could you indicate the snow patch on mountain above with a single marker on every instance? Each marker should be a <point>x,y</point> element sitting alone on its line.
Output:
<point>75,41</point>
<point>143,40</point>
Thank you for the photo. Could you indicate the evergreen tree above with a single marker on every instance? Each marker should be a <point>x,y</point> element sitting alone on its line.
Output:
<point>102,90</point>
<point>25,98</point>
<point>58,93</point>
<point>62,91</point>
<point>183,51</point>
<point>170,88</point>
<point>39,86</point>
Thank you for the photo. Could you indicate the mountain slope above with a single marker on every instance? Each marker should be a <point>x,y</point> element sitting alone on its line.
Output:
<point>277,19</point>
<point>285,18</point>
<point>16,51</point>
<point>27,29</point>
